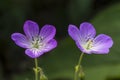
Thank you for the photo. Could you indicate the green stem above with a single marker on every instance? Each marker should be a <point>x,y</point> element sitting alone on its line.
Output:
<point>36,69</point>
<point>80,59</point>
<point>78,67</point>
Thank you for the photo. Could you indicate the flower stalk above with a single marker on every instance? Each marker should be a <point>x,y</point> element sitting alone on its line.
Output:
<point>38,71</point>
<point>78,69</point>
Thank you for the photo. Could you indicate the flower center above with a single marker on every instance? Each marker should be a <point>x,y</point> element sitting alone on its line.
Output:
<point>36,43</point>
<point>89,44</point>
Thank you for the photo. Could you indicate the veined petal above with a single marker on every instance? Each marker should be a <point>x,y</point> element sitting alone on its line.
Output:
<point>102,43</point>
<point>31,29</point>
<point>74,32</point>
<point>83,49</point>
<point>79,46</point>
<point>87,31</point>
<point>20,40</point>
<point>50,45</point>
<point>47,32</point>
<point>33,52</point>
<point>101,51</point>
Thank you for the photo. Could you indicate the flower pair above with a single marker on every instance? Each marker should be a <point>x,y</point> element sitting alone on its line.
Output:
<point>38,41</point>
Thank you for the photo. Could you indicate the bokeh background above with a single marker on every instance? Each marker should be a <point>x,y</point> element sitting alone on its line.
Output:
<point>59,63</point>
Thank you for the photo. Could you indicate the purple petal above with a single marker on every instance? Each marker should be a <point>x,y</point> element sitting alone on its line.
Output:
<point>101,51</point>
<point>82,49</point>
<point>33,53</point>
<point>74,32</point>
<point>50,45</point>
<point>47,32</point>
<point>102,43</point>
<point>31,29</point>
<point>87,31</point>
<point>20,40</point>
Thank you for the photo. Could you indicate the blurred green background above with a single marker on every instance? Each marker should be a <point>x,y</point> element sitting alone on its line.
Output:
<point>59,63</point>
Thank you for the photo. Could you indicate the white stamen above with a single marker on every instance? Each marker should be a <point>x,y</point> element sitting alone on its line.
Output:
<point>88,45</point>
<point>36,43</point>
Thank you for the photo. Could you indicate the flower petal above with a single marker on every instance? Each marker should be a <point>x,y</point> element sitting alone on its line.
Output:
<point>47,32</point>
<point>101,51</point>
<point>74,32</point>
<point>33,52</point>
<point>82,49</point>
<point>79,39</point>
<point>102,43</point>
<point>87,31</point>
<point>20,40</point>
<point>79,46</point>
<point>31,29</point>
<point>50,45</point>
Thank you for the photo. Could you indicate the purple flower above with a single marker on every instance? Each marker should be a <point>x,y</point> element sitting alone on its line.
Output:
<point>87,42</point>
<point>35,41</point>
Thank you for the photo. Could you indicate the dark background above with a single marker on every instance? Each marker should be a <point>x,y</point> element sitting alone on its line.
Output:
<point>59,63</point>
